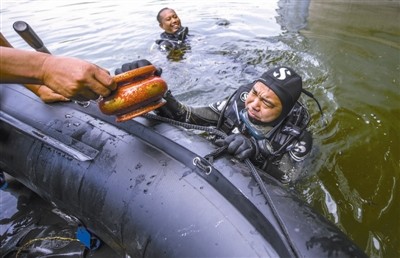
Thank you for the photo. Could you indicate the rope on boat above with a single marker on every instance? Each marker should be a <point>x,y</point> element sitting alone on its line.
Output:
<point>208,129</point>
<point>30,242</point>
<point>264,191</point>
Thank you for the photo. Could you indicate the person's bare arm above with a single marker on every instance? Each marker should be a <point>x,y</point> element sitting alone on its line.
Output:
<point>71,77</point>
<point>20,66</point>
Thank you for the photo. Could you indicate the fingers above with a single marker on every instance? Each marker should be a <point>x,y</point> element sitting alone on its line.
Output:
<point>76,79</point>
<point>133,65</point>
<point>220,142</point>
<point>158,71</point>
<point>143,62</point>
<point>244,154</point>
<point>106,81</point>
<point>242,149</point>
<point>54,98</point>
<point>118,71</point>
<point>234,146</point>
<point>101,84</point>
<point>238,146</point>
<point>128,66</point>
<point>226,141</point>
<point>230,138</point>
<point>49,96</point>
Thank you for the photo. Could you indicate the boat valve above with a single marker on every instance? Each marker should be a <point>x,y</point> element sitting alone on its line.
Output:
<point>89,240</point>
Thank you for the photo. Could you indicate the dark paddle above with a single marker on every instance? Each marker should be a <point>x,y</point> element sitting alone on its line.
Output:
<point>29,35</point>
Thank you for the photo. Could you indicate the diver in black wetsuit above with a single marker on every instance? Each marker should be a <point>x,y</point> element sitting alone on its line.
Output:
<point>264,120</point>
<point>174,34</point>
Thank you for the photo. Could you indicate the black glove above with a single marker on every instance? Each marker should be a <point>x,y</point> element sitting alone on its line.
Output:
<point>136,64</point>
<point>238,145</point>
<point>172,109</point>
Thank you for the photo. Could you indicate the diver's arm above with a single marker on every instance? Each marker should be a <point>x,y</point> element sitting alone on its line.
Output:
<point>195,115</point>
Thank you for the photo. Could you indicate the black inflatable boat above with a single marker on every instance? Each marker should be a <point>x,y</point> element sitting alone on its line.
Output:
<point>145,188</point>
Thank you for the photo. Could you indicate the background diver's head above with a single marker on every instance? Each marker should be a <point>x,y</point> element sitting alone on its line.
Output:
<point>273,96</point>
<point>168,20</point>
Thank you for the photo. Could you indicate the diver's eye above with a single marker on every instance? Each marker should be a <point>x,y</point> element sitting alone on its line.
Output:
<point>268,104</point>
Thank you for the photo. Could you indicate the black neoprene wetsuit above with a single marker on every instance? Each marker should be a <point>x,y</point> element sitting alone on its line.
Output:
<point>170,41</point>
<point>288,138</point>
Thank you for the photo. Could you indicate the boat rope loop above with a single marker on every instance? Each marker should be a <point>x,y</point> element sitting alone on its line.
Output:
<point>203,165</point>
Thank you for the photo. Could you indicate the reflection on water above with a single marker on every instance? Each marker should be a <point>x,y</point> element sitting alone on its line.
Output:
<point>347,53</point>
<point>361,144</point>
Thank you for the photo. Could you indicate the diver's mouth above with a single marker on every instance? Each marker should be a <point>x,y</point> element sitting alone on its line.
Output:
<point>252,115</point>
<point>175,28</point>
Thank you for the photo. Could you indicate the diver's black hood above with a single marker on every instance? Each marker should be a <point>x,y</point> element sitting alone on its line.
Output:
<point>286,84</point>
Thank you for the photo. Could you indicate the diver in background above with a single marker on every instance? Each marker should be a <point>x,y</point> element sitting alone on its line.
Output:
<point>264,120</point>
<point>174,34</point>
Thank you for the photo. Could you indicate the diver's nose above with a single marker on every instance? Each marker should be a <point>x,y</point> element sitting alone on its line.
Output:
<point>175,20</point>
<point>256,104</point>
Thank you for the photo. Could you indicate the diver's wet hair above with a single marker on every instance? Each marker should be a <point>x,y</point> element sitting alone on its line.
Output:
<point>159,13</point>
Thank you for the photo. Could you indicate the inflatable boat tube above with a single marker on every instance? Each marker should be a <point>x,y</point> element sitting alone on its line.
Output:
<point>144,188</point>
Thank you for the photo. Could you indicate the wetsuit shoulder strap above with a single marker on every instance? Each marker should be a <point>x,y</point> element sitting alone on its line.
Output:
<point>292,128</point>
<point>228,114</point>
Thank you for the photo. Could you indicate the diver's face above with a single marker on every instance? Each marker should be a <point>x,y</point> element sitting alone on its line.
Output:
<point>263,104</point>
<point>170,21</point>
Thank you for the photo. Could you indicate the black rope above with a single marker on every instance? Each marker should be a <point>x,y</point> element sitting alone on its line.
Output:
<point>208,129</point>
<point>221,116</point>
<point>309,94</point>
<point>268,198</point>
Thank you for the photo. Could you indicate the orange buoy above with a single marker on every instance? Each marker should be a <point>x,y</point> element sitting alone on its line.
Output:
<point>139,91</point>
